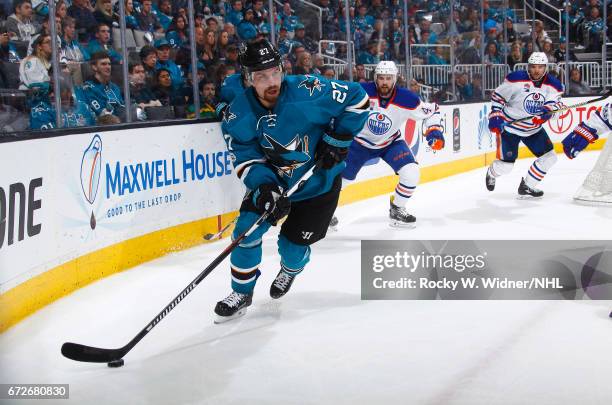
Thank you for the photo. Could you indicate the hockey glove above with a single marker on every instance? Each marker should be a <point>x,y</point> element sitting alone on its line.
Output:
<point>333,150</point>
<point>435,138</point>
<point>546,112</point>
<point>578,139</point>
<point>496,122</point>
<point>268,198</point>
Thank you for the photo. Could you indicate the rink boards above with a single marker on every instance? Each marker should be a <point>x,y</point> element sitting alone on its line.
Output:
<point>79,207</point>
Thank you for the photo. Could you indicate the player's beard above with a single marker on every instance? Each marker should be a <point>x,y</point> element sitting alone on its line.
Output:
<point>270,94</point>
<point>385,91</point>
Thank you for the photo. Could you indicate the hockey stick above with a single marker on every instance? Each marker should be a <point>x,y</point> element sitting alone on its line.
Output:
<point>114,357</point>
<point>210,236</point>
<point>569,107</point>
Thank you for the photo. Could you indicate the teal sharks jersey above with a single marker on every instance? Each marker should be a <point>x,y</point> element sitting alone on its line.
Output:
<point>278,146</point>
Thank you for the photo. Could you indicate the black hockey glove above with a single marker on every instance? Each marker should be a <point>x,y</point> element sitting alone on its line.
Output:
<point>268,198</point>
<point>330,155</point>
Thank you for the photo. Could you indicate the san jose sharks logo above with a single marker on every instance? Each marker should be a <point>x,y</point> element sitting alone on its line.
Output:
<point>228,115</point>
<point>311,83</point>
<point>289,157</point>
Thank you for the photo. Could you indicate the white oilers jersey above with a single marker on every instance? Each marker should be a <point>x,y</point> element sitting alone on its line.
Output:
<point>519,97</point>
<point>600,122</point>
<point>387,117</point>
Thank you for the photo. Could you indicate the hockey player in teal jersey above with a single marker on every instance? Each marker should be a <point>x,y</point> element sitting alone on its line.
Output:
<point>275,131</point>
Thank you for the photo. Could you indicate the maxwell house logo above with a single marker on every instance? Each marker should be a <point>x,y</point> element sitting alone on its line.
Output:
<point>379,123</point>
<point>91,168</point>
<point>533,103</point>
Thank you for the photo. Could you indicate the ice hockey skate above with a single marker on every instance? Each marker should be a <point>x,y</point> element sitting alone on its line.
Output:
<point>399,217</point>
<point>333,224</point>
<point>233,306</point>
<point>526,192</point>
<point>490,180</point>
<point>282,284</point>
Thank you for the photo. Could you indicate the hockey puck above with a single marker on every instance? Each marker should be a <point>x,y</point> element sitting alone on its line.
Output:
<point>116,363</point>
<point>610,314</point>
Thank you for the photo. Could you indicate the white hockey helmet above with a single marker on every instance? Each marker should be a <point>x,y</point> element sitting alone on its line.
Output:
<point>538,58</point>
<point>386,67</point>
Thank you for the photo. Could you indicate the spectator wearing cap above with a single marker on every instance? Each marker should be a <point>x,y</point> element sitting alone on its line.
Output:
<point>20,23</point>
<point>148,56</point>
<point>142,95</point>
<point>301,37</point>
<point>246,28</point>
<point>235,15</point>
<point>165,14</point>
<point>71,49</point>
<point>82,12</point>
<point>288,19</point>
<point>147,20</point>
<point>177,34</point>
<point>102,43</point>
<point>164,62</point>
<point>560,52</point>
<point>100,94</point>
<point>376,8</point>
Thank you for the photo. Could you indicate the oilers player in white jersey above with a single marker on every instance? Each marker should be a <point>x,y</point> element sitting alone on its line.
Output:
<point>524,93</point>
<point>588,132</point>
<point>390,107</point>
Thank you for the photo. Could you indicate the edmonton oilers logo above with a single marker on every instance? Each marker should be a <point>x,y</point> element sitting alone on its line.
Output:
<point>533,103</point>
<point>91,167</point>
<point>378,123</point>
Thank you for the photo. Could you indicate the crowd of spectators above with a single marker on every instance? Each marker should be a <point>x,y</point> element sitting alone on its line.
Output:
<point>161,73</point>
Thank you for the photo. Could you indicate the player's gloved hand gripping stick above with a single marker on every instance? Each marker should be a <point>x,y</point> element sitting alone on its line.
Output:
<point>114,357</point>
<point>569,107</point>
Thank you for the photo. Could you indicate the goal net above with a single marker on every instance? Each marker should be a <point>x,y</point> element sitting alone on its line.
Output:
<point>597,187</point>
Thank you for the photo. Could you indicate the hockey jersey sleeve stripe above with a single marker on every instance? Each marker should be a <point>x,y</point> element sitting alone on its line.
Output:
<point>337,142</point>
<point>498,98</point>
<point>243,168</point>
<point>361,106</point>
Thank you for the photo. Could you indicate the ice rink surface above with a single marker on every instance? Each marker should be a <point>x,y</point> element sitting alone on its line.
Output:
<point>321,343</point>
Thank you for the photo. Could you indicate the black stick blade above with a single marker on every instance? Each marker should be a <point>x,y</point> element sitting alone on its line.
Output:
<point>78,352</point>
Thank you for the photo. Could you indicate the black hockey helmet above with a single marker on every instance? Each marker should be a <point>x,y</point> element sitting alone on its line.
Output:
<point>259,55</point>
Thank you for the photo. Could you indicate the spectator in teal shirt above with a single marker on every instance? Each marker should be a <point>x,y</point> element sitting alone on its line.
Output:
<point>102,43</point>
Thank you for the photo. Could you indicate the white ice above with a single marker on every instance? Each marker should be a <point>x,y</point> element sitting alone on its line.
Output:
<point>321,343</point>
